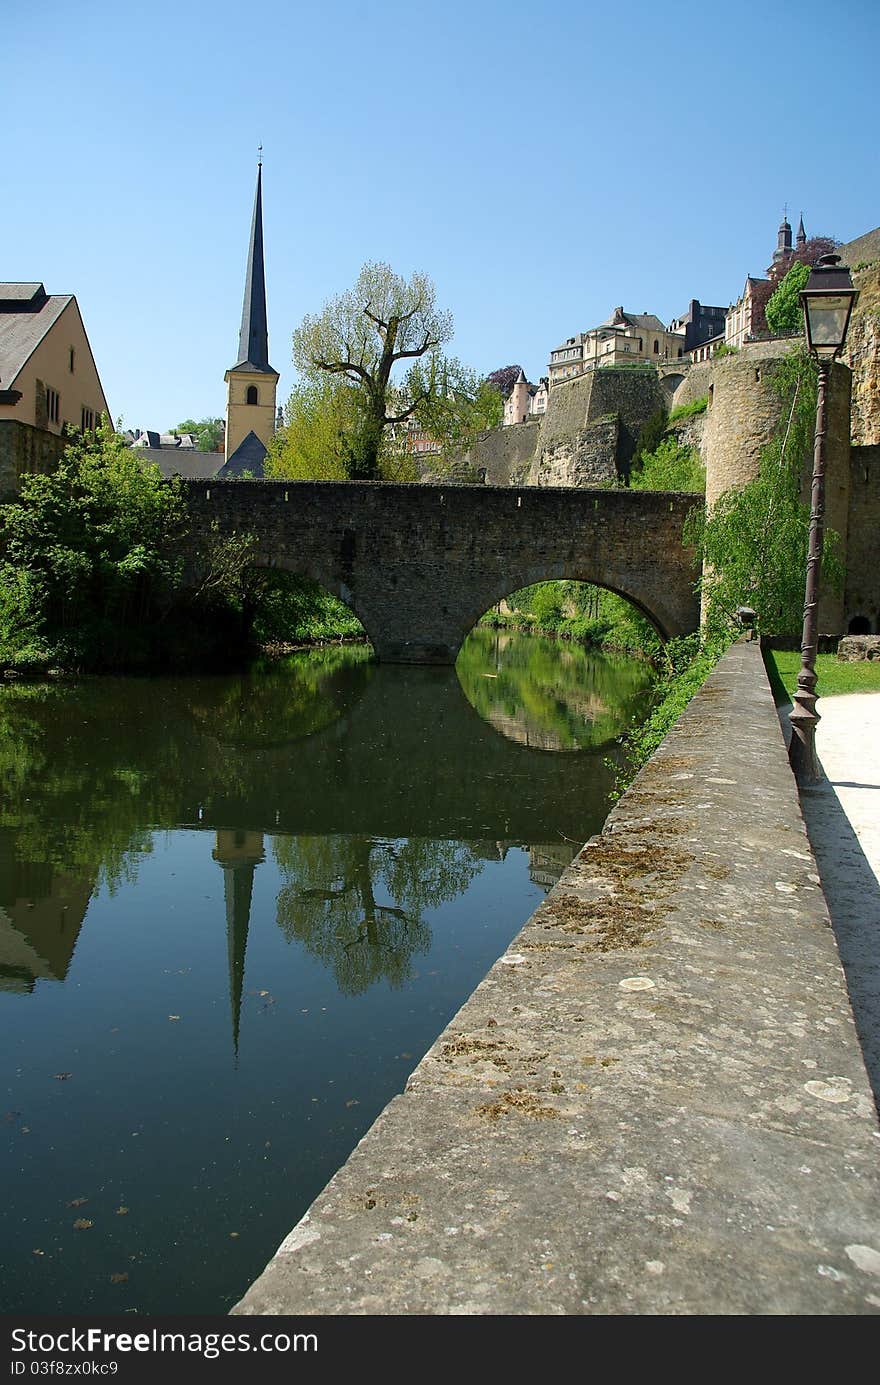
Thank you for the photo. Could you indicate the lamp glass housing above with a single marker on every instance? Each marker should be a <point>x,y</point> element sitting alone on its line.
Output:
<point>827,320</point>
<point>827,301</point>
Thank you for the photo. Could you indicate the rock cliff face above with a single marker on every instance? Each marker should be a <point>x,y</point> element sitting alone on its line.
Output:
<point>863,356</point>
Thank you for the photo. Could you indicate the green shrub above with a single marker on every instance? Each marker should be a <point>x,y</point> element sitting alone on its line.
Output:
<point>671,467</point>
<point>696,406</point>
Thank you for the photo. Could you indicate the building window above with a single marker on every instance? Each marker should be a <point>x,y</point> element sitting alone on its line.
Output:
<point>251,394</point>
<point>88,420</point>
<point>53,405</point>
<point>656,348</point>
<point>71,359</point>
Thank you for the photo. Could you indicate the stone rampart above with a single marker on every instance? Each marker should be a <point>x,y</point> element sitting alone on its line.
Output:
<point>24,450</point>
<point>502,456</point>
<point>654,1103</point>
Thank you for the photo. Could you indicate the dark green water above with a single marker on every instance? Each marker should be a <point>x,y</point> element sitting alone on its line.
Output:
<point>234,912</point>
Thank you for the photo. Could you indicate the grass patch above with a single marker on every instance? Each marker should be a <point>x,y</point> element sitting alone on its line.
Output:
<point>696,406</point>
<point>835,678</point>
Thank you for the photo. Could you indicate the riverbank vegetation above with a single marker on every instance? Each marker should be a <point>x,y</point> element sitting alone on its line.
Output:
<point>98,573</point>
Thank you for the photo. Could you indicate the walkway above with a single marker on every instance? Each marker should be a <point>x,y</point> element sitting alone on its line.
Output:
<point>843,821</point>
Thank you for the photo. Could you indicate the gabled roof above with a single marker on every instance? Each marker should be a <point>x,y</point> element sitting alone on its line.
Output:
<point>26,315</point>
<point>248,456</point>
<point>171,461</point>
<point>648,321</point>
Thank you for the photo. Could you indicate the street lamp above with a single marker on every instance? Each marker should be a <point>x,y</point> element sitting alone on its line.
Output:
<point>827,301</point>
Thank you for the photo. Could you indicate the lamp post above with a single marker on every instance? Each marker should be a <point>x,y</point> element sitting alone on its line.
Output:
<point>827,301</point>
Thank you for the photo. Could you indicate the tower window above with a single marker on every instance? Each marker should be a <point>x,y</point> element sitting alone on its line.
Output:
<point>251,394</point>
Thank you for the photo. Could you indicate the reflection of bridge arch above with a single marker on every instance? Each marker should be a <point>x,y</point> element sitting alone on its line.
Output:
<point>419,564</point>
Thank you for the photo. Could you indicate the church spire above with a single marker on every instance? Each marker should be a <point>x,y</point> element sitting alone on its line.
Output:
<point>801,233</point>
<point>251,383</point>
<point>253,342</point>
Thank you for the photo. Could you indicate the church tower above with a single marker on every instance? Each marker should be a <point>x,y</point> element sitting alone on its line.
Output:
<point>782,253</point>
<point>251,383</point>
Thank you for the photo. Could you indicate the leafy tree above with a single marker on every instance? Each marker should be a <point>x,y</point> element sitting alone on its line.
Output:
<point>505,378</point>
<point>360,337</point>
<point>208,431</point>
<point>783,311</point>
<point>325,434</point>
<point>89,549</point>
<point>456,404</point>
<point>91,565</point>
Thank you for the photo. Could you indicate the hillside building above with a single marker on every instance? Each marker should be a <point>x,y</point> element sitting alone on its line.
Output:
<point>625,337</point>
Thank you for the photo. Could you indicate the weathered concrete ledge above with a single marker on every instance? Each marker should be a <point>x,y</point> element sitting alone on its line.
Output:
<point>655,1102</point>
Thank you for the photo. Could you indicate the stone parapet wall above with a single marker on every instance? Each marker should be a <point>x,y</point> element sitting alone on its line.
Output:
<point>654,1103</point>
<point>25,450</point>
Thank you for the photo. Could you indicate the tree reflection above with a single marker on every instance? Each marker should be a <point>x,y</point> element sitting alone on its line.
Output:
<point>334,900</point>
<point>550,694</point>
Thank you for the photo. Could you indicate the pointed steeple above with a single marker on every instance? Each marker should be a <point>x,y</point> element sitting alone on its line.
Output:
<point>251,382</point>
<point>801,233</point>
<point>253,342</point>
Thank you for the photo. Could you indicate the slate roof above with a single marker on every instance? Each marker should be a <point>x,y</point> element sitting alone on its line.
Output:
<point>248,456</point>
<point>172,461</point>
<point>253,341</point>
<point>25,318</point>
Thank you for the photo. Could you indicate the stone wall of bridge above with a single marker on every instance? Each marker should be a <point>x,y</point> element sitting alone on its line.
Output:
<point>420,564</point>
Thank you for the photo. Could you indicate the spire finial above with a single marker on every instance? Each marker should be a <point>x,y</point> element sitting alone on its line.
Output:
<point>260,156</point>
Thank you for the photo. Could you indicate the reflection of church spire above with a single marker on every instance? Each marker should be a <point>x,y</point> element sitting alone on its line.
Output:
<point>238,852</point>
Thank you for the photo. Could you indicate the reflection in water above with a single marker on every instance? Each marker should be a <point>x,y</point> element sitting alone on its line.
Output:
<point>550,694</point>
<point>239,853</point>
<point>320,862</point>
<point>329,900</point>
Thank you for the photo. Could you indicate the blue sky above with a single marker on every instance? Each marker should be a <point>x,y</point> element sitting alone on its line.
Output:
<point>541,163</point>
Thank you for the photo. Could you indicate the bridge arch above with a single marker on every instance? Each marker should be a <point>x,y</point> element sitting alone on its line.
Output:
<point>536,575</point>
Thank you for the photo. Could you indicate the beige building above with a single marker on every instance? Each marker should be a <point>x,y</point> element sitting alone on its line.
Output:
<point>49,382</point>
<point>745,317</point>
<point>624,337</point>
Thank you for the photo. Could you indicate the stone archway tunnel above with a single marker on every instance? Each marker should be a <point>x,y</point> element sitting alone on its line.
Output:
<point>419,564</point>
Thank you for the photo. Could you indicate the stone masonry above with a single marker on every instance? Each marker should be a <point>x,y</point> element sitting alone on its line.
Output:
<point>420,564</point>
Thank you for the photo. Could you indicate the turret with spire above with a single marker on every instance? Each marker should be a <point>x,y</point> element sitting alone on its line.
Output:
<point>801,238</point>
<point>783,240</point>
<point>251,383</point>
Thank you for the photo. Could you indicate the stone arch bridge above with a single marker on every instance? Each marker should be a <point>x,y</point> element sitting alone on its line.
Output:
<point>419,564</point>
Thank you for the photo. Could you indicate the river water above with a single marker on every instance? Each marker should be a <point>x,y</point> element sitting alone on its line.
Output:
<point>234,913</point>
